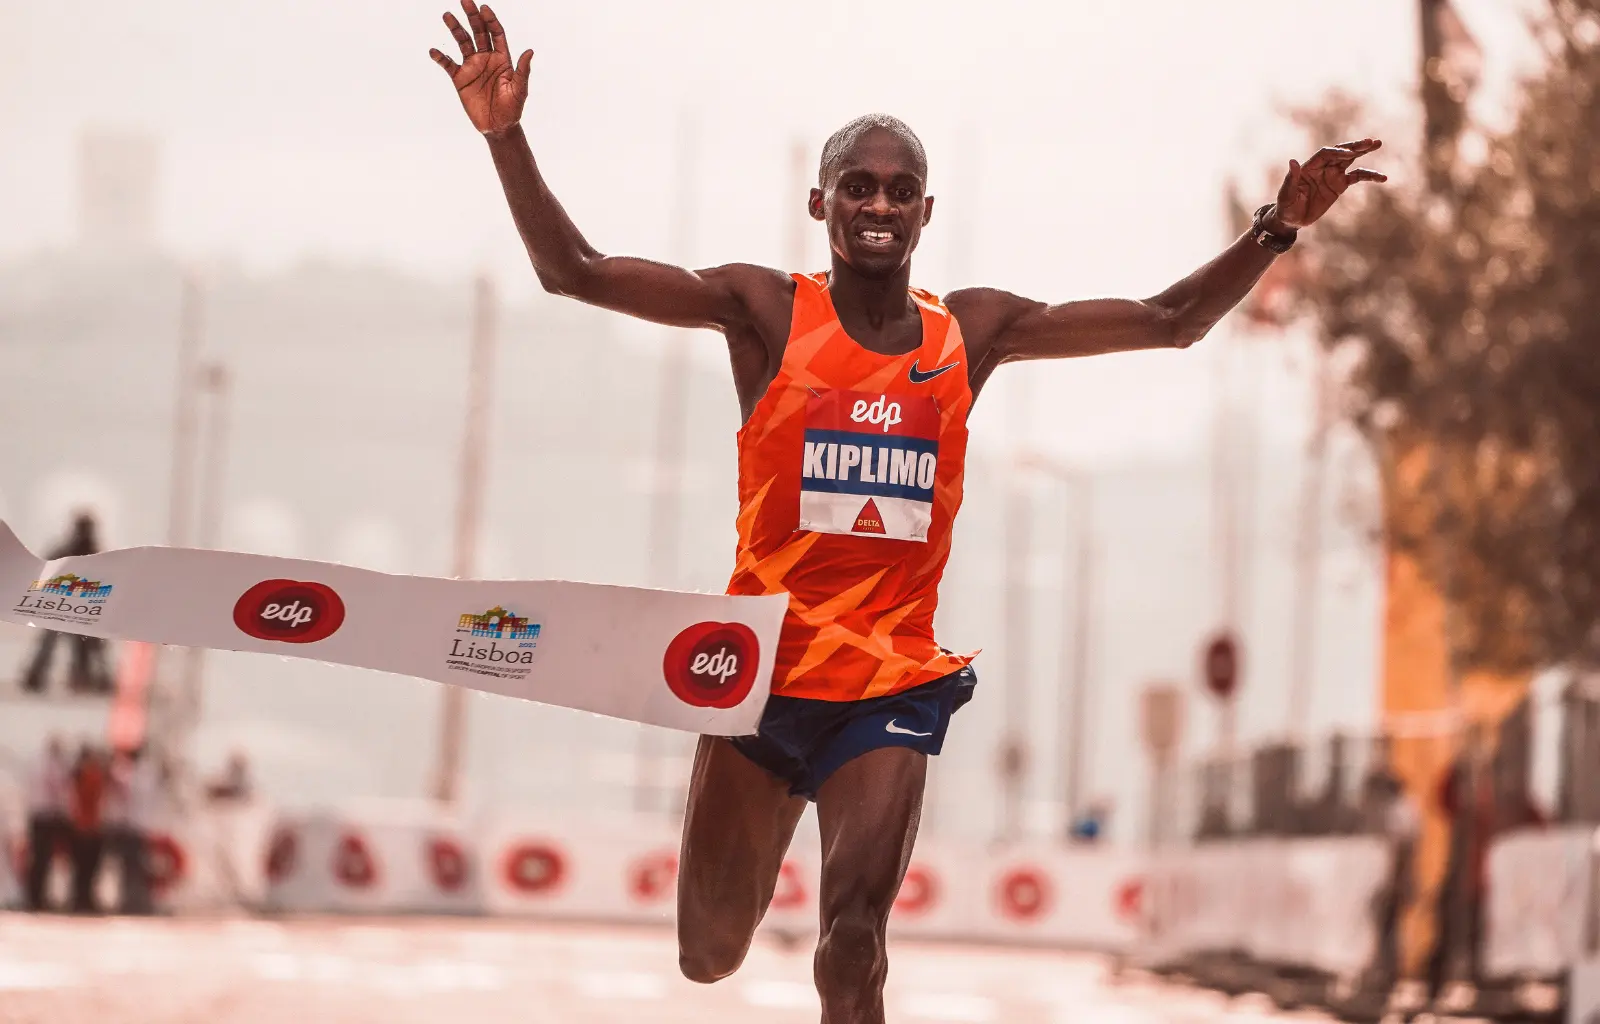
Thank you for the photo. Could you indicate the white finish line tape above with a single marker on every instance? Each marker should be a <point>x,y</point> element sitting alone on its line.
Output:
<point>695,662</point>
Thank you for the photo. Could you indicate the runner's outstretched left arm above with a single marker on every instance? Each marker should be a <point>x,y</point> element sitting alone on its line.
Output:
<point>1001,327</point>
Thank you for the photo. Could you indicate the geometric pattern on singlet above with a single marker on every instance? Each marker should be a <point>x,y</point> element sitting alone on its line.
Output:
<point>861,599</point>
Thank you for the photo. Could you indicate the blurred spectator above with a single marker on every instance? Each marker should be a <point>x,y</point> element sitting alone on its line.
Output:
<point>1398,819</point>
<point>49,821</point>
<point>234,785</point>
<point>1091,825</point>
<point>88,671</point>
<point>130,804</point>
<point>89,778</point>
<point>1467,796</point>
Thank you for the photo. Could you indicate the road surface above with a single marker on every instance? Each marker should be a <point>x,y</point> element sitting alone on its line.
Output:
<point>64,970</point>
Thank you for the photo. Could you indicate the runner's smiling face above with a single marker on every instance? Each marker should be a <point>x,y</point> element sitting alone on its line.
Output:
<point>874,204</point>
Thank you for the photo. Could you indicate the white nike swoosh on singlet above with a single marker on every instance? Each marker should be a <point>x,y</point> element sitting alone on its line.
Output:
<point>892,727</point>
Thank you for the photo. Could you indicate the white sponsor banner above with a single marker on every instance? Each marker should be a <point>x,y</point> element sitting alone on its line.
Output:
<point>406,858</point>
<point>1194,898</point>
<point>1334,882</point>
<point>1071,897</point>
<point>416,859</point>
<point>940,894</point>
<point>1305,902</point>
<point>796,907</point>
<point>211,860</point>
<point>695,662</point>
<point>548,867</point>
<point>1538,890</point>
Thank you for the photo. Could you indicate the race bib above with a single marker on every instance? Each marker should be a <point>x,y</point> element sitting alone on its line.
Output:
<point>870,462</point>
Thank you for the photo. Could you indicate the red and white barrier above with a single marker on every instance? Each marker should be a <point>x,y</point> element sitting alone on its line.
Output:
<point>209,860</point>
<point>938,896</point>
<point>393,859</point>
<point>1307,902</point>
<point>411,858</point>
<point>1539,887</point>
<point>1066,896</point>
<point>611,871</point>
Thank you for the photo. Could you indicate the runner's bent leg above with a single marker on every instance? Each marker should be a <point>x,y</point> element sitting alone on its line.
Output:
<point>736,830</point>
<point>869,811</point>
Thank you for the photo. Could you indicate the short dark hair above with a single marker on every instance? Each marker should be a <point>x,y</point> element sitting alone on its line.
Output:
<point>839,143</point>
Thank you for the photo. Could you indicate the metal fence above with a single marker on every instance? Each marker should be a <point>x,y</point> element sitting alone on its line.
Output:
<point>1345,784</point>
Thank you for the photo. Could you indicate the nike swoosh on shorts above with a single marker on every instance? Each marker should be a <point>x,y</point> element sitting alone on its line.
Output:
<point>919,377</point>
<point>892,727</point>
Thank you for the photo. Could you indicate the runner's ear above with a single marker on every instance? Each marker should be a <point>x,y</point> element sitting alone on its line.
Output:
<point>814,205</point>
<point>927,210</point>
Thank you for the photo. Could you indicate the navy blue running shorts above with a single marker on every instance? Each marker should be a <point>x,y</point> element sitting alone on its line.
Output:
<point>804,741</point>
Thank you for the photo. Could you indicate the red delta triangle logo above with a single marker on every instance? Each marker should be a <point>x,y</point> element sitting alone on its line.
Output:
<point>869,519</point>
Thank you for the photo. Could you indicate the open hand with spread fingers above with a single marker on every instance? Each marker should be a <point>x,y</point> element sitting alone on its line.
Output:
<point>492,91</point>
<point>1310,189</point>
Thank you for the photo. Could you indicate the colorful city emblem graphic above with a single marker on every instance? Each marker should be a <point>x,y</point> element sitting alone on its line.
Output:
<point>70,585</point>
<point>499,624</point>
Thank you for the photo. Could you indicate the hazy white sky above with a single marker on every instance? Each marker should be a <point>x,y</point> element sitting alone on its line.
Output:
<point>1081,147</point>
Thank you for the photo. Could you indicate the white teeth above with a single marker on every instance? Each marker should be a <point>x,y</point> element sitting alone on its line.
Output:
<point>878,236</point>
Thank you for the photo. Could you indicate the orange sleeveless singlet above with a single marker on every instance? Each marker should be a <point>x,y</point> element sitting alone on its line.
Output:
<point>850,474</point>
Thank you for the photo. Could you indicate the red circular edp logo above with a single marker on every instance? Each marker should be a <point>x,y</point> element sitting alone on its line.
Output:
<point>919,892</point>
<point>353,863</point>
<point>790,891</point>
<point>712,664</point>
<point>651,877</point>
<point>166,863</point>
<point>289,611</point>
<point>533,867</point>
<point>1024,894</point>
<point>282,854</point>
<point>448,863</point>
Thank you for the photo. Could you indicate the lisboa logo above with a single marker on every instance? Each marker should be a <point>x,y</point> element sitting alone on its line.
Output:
<point>519,633</point>
<point>65,595</point>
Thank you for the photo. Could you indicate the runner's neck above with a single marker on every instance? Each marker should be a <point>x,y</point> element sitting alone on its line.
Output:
<point>879,314</point>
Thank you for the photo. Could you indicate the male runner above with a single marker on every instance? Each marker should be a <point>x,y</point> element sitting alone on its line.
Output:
<point>854,389</point>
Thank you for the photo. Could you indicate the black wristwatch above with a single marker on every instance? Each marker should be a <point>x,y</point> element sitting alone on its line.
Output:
<point>1266,239</point>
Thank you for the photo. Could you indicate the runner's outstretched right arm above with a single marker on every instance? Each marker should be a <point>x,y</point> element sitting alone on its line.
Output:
<point>493,92</point>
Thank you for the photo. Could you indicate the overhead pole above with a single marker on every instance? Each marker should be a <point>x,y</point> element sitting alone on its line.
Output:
<point>474,466</point>
<point>216,381</point>
<point>664,536</point>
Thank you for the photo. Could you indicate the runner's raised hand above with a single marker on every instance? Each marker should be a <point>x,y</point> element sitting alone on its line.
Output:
<point>492,91</point>
<point>1310,189</point>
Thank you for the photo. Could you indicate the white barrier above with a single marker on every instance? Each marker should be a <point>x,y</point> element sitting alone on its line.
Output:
<point>1538,888</point>
<point>1307,902</point>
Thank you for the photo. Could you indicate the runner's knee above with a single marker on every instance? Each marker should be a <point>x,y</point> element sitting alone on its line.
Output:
<point>706,962</point>
<point>852,950</point>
